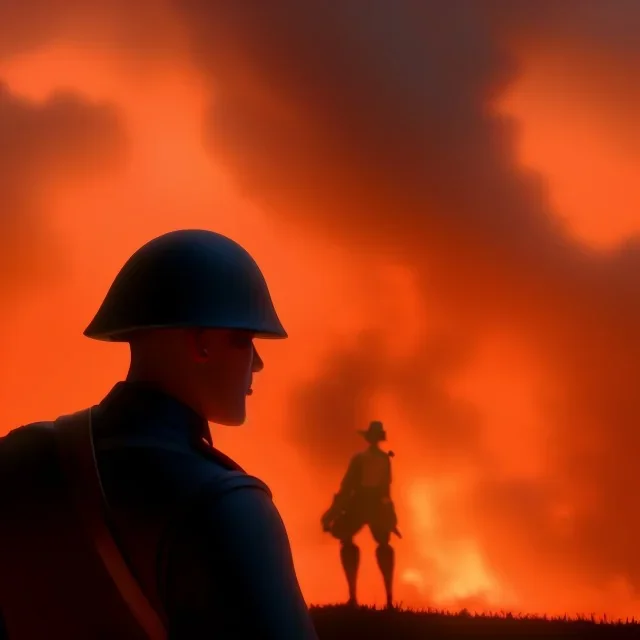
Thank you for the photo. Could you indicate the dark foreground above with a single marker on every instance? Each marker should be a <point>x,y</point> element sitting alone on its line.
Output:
<point>342,623</point>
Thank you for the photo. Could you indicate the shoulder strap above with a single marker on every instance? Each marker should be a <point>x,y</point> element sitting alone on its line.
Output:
<point>77,454</point>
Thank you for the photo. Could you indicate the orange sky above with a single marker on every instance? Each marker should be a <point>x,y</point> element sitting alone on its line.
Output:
<point>169,180</point>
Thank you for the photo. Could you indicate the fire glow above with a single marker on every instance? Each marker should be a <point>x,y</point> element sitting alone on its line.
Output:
<point>456,551</point>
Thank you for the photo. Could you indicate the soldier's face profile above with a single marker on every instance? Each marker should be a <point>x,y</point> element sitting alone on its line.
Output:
<point>226,373</point>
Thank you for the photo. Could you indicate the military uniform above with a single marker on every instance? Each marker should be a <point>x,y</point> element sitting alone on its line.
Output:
<point>365,499</point>
<point>202,539</point>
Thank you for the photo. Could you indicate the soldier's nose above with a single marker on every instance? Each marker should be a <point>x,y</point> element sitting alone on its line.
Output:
<point>257,364</point>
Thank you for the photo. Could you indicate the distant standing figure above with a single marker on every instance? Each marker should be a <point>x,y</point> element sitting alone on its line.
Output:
<point>365,498</point>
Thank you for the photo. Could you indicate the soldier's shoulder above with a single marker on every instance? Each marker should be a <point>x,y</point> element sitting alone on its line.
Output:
<point>27,437</point>
<point>216,457</point>
<point>28,455</point>
<point>41,426</point>
<point>225,475</point>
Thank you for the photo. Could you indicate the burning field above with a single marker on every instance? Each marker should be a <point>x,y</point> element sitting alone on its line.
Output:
<point>340,623</point>
<point>444,199</point>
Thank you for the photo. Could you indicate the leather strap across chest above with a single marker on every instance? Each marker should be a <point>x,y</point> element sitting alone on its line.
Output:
<point>77,456</point>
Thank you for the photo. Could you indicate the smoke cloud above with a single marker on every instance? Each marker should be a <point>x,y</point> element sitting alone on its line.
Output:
<point>142,29</point>
<point>42,144</point>
<point>376,125</point>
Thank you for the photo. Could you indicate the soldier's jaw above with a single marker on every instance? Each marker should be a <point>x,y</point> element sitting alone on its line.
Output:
<point>235,420</point>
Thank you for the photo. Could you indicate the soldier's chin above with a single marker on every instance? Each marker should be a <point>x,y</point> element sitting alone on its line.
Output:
<point>231,417</point>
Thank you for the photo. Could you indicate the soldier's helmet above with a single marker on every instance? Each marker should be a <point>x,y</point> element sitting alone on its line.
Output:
<point>187,279</point>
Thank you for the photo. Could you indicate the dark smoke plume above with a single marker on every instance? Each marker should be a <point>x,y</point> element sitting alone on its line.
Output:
<point>44,144</point>
<point>374,123</point>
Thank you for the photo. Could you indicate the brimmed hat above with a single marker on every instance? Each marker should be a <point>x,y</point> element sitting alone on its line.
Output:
<point>375,432</point>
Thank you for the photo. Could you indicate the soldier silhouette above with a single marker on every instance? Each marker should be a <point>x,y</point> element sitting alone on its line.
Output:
<point>365,498</point>
<point>122,520</point>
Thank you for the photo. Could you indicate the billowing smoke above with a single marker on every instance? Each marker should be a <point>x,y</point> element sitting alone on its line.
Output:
<point>142,28</point>
<point>43,144</point>
<point>375,124</point>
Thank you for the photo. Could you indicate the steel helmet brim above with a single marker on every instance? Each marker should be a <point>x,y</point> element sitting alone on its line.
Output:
<point>123,335</point>
<point>189,278</point>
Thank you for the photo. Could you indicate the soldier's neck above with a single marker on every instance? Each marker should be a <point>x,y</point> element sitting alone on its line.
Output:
<point>149,375</point>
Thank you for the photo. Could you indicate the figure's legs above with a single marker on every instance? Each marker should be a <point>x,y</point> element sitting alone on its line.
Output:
<point>385,555</point>
<point>350,557</point>
<point>344,529</point>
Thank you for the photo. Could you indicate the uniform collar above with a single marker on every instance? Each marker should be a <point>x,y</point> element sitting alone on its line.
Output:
<point>142,408</point>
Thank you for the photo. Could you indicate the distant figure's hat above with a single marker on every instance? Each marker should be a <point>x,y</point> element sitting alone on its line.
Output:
<point>375,432</point>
